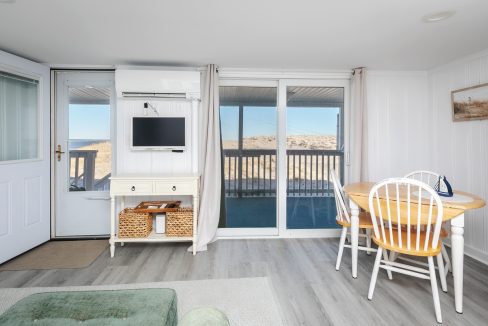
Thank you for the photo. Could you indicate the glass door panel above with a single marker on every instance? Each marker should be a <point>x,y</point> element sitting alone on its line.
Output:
<point>314,146</point>
<point>248,118</point>
<point>89,144</point>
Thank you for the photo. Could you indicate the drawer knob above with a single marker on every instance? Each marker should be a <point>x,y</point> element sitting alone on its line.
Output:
<point>174,188</point>
<point>133,188</point>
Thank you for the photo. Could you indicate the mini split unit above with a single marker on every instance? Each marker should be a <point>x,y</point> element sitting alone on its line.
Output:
<point>172,85</point>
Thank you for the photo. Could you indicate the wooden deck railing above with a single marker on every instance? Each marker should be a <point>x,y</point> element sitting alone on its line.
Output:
<point>252,172</point>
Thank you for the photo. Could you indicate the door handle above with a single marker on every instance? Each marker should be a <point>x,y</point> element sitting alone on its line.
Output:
<point>98,198</point>
<point>59,152</point>
<point>133,188</point>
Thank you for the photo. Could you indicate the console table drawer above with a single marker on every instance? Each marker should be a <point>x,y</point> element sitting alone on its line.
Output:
<point>137,187</point>
<point>177,188</point>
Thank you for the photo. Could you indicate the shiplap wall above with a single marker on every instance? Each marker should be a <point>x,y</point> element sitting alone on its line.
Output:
<point>460,149</point>
<point>152,162</point>
<point>398,123</point>
<point>155,162</point>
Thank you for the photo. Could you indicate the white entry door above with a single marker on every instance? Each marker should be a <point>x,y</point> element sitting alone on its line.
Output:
<point>83,160</point>
<point>24,155</point>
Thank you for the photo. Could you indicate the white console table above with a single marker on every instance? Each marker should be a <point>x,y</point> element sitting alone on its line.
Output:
<point>123,186</point>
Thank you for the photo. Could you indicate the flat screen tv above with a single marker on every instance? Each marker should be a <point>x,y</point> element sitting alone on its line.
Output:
<point>158,133</point>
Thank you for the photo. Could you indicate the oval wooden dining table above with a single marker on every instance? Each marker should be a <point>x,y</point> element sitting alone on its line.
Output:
<point>454,209</point>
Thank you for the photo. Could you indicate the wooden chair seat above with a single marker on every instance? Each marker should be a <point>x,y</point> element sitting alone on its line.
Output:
<point>443,234</point>
<point>413,240</point>
<point>364,221</point>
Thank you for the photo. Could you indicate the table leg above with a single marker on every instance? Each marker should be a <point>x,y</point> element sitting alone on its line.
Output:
<point>354,236</point>
<point>112,227</point>
<point>457,244</point>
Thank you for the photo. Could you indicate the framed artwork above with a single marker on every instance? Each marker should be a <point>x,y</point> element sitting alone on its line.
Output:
<point>470,103</point>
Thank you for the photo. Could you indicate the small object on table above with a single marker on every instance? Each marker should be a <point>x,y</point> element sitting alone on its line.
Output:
<point>443,187</point>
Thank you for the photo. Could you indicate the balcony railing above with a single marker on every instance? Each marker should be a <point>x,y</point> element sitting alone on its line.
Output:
<point>252,172</point>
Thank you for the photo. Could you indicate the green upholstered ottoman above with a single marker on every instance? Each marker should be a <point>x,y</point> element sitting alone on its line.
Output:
<point>146,307</point>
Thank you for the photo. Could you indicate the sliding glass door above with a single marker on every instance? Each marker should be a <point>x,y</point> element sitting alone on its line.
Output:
<point>248,118</point>
<point>281,140</point>
<point>314,148</point>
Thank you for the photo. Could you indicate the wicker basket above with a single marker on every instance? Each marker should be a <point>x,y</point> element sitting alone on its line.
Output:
<point>180,223</point>
<point>134,225</point>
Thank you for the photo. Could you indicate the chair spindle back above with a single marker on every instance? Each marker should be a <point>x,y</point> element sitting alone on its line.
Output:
<point>403,201</point>
<point>427,177</point>
<point>340,198</point>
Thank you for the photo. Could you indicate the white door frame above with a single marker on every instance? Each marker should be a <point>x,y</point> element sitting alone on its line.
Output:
<point>54,109</point>
<point>281,80</point>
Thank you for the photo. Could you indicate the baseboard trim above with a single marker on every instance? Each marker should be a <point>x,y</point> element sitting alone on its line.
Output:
<point>288,234</point>
<point>474,253</point>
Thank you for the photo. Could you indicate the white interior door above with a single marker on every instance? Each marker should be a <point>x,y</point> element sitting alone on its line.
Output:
<point>84,156</point>
<point>24,155</point>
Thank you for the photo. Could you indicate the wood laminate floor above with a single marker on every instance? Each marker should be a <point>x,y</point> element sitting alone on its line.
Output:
<point>309,289</point>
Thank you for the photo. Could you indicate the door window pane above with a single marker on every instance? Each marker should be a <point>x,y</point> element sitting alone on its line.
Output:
<point>19,118</point>
<point>248,125</point>
<point>89,145</point>
<point>314,146</point>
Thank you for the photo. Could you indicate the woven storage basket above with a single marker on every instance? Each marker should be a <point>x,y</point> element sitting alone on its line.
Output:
<point>180,223</point>
<point>134,225</point>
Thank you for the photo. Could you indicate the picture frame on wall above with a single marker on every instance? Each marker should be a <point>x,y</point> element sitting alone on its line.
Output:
<point>470,103</point>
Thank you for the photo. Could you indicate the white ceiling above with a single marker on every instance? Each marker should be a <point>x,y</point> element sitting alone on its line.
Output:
<point>279,34</point>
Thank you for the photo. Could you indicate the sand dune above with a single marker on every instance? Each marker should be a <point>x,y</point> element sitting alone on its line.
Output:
<point>103,161</point>
<point>293,142</point>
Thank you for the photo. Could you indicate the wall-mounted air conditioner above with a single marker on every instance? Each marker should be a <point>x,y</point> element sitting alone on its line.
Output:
<point>161,84</point>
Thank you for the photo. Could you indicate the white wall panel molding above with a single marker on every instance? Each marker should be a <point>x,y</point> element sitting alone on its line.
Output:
<point>460,149</point>
<point>398,123</point>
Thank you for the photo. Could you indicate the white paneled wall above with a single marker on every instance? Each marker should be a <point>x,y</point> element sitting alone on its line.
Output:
<point>399,123</point>
<point>460,149</point>
<point>154,162</point>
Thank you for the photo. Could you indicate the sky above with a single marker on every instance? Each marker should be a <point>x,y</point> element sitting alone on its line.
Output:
<point>89,121</point>
<point>262,121</point>
<point>93,121</point>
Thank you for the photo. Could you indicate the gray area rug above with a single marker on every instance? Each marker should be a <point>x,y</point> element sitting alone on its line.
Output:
<point>245,301</point>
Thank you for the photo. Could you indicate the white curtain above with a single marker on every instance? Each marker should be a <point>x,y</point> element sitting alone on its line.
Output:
<point>209,160</point>
<point>358,146</point>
